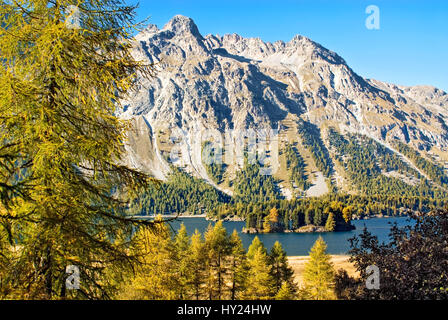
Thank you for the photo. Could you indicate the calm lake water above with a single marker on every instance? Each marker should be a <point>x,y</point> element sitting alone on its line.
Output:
<point>299,244</point>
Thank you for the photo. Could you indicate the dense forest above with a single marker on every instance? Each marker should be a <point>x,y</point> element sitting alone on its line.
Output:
<point>364,161</point>
<point>333,216</point>
<point>216,266</point>
<point>252,186</point>
<point>296,213</point>
<point>180,194</point>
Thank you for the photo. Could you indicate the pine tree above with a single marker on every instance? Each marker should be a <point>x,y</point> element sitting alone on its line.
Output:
<point>267,225</point>
<point>63,188</point>
<point>218,248</point>
<point>319,273</point>
<point>308,216</point>
<point>153,278</point>
<point>238,266</point>
<point>286,292</point>
<point>184,267</point>
<point>254,246</point>
<point>198,261</point>
<point>280,270</point>
<point>347,213</point>
<point>259,280</point>
<point>317,217</point>
<point>286,221</point>
<point>330,224</point>
<point>273,217</point>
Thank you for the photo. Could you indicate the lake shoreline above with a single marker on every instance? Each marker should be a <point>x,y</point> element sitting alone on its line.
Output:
<point>299,244</point>
<point>310,228</point>
<point>239,219</point>
<point>171,216</point>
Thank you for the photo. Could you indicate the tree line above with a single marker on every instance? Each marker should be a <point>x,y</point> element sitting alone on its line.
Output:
<point>365,161</point>
<point>333,216</point>
<point>252,186</point>
<point>434,171</point>
<point>296,213</point>
<point>181,193</point>
<point>215,266</point>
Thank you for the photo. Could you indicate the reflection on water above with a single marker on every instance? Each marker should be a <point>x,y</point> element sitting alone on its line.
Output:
<point>299,244</point>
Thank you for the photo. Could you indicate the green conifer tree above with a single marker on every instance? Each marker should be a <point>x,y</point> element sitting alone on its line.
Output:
<point>280,270</point>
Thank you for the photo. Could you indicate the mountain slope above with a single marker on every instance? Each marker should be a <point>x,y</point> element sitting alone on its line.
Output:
<point>308,93</point>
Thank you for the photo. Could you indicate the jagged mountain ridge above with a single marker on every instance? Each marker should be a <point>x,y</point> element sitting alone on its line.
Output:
<point>230,82</point>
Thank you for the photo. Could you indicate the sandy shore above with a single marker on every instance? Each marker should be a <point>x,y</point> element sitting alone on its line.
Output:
<point>297,263</point>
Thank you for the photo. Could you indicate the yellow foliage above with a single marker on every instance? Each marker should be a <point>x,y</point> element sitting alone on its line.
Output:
<point>63,193</point>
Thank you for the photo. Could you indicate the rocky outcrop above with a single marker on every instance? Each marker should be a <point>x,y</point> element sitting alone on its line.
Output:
<point>310,228</point>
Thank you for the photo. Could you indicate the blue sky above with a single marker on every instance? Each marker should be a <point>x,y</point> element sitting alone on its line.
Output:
<point>410,48</point>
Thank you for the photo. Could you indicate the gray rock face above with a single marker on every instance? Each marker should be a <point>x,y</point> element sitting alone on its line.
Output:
<point>230,82</point>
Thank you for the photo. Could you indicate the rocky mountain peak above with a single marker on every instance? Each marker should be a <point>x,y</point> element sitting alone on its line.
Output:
<point>150,28</point>
<point>182,26</point>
